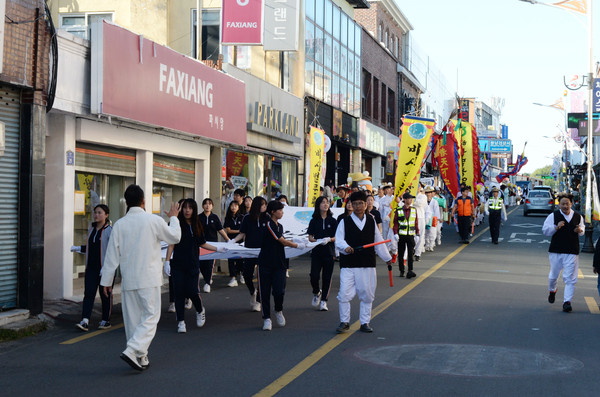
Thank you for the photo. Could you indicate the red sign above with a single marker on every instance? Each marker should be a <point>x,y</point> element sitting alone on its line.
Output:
<point>236,162</point>
<point>136,79</point>
<point>242,22</point>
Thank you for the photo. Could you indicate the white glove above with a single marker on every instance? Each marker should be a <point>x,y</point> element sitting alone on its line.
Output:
<point>231,241</point>
<point>396,237</point>
<point>167,268</point>
<point>75,248</point>
<point>222,249</point>
<point>326,241</point>
<point>301,246</point>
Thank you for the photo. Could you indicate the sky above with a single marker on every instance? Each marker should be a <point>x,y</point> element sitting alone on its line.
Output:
<point>510,49</point>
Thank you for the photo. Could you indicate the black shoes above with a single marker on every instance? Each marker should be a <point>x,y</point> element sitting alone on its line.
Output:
<point>410,274</point>
<point>551,296</point>
<point>566,306</point>
<point>417,258</point>
<point>343,327</point>
<point>365,328</point>
<point>83,326</point>
<point>401,274</point>
<point>495,242</point>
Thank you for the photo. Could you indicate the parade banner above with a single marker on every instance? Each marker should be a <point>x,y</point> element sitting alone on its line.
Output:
<point>446,157</point>
<point>313,177</point>
<point>476,158</point>
<point>467,175</point>
<point>595,199</point>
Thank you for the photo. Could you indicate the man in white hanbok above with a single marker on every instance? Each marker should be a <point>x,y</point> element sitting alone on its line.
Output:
<point>433,217</point>
<point>420,205</point>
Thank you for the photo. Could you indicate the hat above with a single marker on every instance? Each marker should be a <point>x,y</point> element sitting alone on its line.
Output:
<point>386,185</point>
<point>407,196</point>
<point>495,189</point>
<point>429,189</point>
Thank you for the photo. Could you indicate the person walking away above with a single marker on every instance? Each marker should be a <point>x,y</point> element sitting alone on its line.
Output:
<point>358,275</point>
<point>565,226</point>
<point>420,204</point>
<point>271,266</point>
<point>322,226</point>
<point>433,216</point>
<point>465,209</point>
<point>134,246</point>
<point>211,224</point>
<point>406,227</point>
<point>252,232</point>
<point>95,252</point>
<point>184,268</point>
<point>231,225</point>
<point>495,209</point>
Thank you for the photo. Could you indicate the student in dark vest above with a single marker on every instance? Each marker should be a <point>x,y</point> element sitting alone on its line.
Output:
<point>406,227</point>
<point>357,274</point>
<point>465,209</point>
<point>565,226</point>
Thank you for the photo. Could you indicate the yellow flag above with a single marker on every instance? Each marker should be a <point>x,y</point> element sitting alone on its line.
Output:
<point>467,169</point>
<point>313,178</point>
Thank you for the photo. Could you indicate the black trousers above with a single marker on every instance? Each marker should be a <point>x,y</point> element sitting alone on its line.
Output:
<point>206,268</point>
<point>249,265</point>
<point>271,280</point>
<point>406,243</point>
<point>235,266</point>
<point>325,265</point>
<point>185,285</point>
<point>464,227</point>
<point>495,224</point>
<point>91,285</point>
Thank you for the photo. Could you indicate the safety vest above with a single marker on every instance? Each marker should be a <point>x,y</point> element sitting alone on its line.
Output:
<point>495,204</point>
<point>406,227</point>
<point>464,209</point>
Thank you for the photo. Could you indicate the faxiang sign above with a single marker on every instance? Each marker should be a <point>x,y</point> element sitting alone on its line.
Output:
<point>242,22</point>
<point>275,119</point>
<point>136,79</point>
<point>281,25</point>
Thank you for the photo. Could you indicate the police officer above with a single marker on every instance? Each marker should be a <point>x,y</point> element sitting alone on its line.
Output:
<point>406,227</point>
<point>495,209</point>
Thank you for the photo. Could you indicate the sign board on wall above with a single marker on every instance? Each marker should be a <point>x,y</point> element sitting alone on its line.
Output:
<point>136,79</point>
<point>242,22</point>
<point>281,25</point>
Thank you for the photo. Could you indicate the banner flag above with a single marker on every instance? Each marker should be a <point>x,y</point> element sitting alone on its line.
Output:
<point>595,199</point>
<point>476,158</point>
<point>464,131</point>
<point>579,6</point>
<point>313,179</point>
<point>446,156</point>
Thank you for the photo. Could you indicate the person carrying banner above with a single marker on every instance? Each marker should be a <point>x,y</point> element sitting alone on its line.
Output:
<point>565,226</point>
<point>495,209</point>
<point>433,217</point>
<point>358,275</point>
<point>465,209</point>
<point>406,227</point>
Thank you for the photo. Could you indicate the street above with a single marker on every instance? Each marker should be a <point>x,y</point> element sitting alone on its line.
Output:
<point>474,322</point>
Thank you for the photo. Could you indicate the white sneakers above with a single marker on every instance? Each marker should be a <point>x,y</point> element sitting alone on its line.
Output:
<point>280,319</point>
<point>201,318</point>
<point>255,306</point>
<point>188,304</point>
<point>242,281</point>
<point>181,327</point>
<point>232,283</point>
<point>267,325</point>
<point>206,288</point>
<point>171,307</point>
<point>316,299</point>
<point>323,307</point>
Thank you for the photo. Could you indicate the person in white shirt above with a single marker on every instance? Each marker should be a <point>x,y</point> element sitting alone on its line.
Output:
<point>135,247</point>
<point>433,217</point>
<point>420,205</point>
<point>565,226</point>
<point>357,274</point>
<point>495,209</point>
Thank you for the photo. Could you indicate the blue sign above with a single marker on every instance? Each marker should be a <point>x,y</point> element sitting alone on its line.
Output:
<point>596,95</point>
<point>495,145</point>
<point>70,157</point>
<point>504,131</point>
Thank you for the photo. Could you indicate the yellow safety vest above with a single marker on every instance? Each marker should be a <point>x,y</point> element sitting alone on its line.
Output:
<point>406,227</point>
<point>496,204</point>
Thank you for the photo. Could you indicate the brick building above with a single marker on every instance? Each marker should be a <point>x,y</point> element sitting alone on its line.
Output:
<point>26,87</point>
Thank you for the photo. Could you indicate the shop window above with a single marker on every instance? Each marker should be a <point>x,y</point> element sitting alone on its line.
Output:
<point>366,94</point>
<point>383,104</point>
<point>391,124</point>
<point>375,98</point>
<point>211,26</point>
<point>80,24</point>
<point>163,195</point>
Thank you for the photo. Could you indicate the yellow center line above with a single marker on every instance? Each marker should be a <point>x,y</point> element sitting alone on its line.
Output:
<point>91,335</point>
<point>322,351</point>
<point>580,274</point>
<point>592,305</point>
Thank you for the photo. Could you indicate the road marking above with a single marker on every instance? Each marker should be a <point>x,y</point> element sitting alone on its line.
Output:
<point>592,305</point>
<point>91,335</point>
<point>326,348</point>
<point>580,274</point>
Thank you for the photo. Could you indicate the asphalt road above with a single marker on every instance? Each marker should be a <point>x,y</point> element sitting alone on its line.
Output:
<point>475,322</point>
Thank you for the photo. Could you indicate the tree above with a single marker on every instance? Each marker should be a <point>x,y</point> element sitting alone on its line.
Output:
<point>544,171</point>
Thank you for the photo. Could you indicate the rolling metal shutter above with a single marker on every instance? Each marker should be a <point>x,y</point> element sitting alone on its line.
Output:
<point>9,193</point>
<point>174,171</point>
<point>98,159</point>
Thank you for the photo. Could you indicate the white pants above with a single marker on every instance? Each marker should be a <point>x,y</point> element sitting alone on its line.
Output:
<point>430,236</point>
<point>141,312</point>
<point>569,264</point>
<point>360,281</point>
<point>420,241</point>
<point>438,236</point>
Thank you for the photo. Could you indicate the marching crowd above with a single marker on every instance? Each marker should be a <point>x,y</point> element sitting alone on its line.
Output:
<point>397,228</point>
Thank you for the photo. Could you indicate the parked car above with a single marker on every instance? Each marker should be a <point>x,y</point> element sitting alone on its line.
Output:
<point>538,200</point>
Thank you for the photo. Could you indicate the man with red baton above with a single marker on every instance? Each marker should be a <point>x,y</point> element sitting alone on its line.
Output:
<point>357,274</point>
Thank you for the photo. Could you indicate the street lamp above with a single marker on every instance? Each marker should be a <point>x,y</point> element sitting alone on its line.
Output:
<point>585,8</point>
